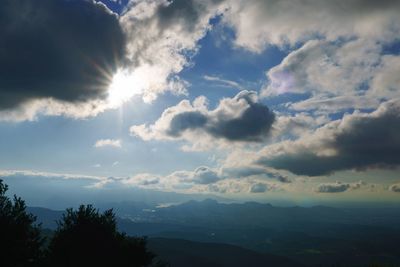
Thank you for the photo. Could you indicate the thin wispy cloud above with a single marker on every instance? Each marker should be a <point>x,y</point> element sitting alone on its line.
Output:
<point>223,82</point>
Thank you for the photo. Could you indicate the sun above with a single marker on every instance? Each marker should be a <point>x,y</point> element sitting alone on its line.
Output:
<point>123,87</point>
<point>145,80</point>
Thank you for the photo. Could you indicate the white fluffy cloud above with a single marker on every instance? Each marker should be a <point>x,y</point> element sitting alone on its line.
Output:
<point>161,37</point>
<point>259,23</point>
<point>108,143</point>
<point>241,118</point>
<point>337,75</point>
<point>293,126</point>
<point>175,181</point>
<point>340,62</point>
<point>386,81</point>
<point>203,179</point>
<point>50,107</point>
<point>319,66</point>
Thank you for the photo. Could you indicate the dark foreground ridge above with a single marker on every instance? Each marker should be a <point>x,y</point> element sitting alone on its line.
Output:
<point>83,238</point>
<point>180,252</point>
<point>205,233</point>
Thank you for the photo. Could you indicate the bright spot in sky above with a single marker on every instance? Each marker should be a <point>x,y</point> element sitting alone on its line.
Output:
<point>145,80</point>
<point>123,87</point>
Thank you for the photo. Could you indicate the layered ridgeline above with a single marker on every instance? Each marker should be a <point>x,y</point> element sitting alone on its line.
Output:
<point>309,236</point>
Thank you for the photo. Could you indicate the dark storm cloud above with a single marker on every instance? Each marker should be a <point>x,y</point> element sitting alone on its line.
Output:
<point>186,11</point>
<point>252,124</point>
<point>59,49</point>
<point>201,175</point>
<point>242,172</point>
<point>205,175</point>
<point>241,118</point>
<point>152,181</point>
<point>333,188</point>
<point>339,187</point>
<point>395,188</point>
<point>359,141</point>
<point>185,121</point>
<point>279,177</point>
<point>259,188</point>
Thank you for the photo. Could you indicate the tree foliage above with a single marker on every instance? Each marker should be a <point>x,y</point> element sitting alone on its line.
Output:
<point>20,241</point>
<point>86,237</point>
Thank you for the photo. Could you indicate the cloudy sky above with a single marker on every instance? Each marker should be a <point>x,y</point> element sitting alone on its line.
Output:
<point>243,99</point>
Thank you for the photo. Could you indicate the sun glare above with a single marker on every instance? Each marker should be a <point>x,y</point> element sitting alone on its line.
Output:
<point>123,87</point>
<point>126,84</point>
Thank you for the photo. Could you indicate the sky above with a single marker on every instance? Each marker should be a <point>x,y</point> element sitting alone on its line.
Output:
<point>276,101</point>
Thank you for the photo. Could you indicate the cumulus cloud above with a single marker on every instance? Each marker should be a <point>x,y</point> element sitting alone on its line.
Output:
<point>395,188</point>
<point>281,178</point>
<point>259,188</point>
<point>183,180</point>
<point>358,141</point>
<point>292,126</point>
<point>337,75</point>
<point>317,65</point>
<point>140,180</point>
<point>386,81</point>
<point>152,41</point>
<point>151,181</point>
<point>259,23</point>
<point>76,58</point>
<point>108,143</point>
<point>144,179</point>
<point>333,188</point>
<point>57,51</point>
<point>243,186</point>
<point>241,118</point>
<point>204,175</point>
<point>162,35</point>
<point>339,187</point>
<point>202,179</point>
<point>249,170</point>
<point>201,175</point>
<point>339,57</point>
<point>31,110</point>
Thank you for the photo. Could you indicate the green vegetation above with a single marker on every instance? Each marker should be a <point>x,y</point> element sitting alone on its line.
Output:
<point>20,242</point>
<point>84,237</point>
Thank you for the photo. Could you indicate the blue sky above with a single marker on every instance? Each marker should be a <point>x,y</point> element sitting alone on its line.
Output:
<point>239,99</point>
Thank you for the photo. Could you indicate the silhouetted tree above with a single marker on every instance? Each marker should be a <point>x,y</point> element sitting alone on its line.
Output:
<point>87,238</point>
<point>20,241</point>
